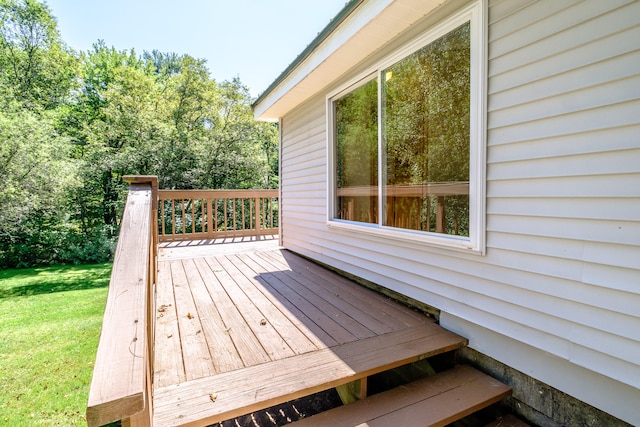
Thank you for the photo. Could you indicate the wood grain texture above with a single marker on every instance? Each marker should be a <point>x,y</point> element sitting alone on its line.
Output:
<point>118,387</point>
<point>433,401</point>
<point>168,364</point>
<point>273,327</point>
<point>261,386</point>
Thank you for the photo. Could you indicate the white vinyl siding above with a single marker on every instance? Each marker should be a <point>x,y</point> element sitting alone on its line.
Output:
<point>561,272</point>
<point>303,156</point>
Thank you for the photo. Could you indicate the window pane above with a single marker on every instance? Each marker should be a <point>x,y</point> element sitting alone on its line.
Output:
<point>426,104</point>
<point>356,135</point>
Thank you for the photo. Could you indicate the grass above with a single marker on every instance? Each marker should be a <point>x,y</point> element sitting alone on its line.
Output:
<point>50,321</point>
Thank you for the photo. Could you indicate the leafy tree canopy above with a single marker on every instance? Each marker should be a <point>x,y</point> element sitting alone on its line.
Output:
<point>72,124</point>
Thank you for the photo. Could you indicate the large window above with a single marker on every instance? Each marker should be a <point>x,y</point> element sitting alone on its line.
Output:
<point>407,142</point>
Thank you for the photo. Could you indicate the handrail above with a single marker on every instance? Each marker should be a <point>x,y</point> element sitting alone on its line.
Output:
<point>122,375</point>
<point>212,214</point>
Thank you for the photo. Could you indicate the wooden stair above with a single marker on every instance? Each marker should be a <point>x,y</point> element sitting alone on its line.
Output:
<point>436,400</point>
<point>432,401</point>
<point>220,397</point>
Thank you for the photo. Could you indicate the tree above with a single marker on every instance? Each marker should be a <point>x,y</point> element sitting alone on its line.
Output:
<point>238,152</point>
<point>36,74</point>
<point>188,97</point>
<point>71,125</point>
<point>35,65</point>
<point>35,174</point>
<point>112,123</point>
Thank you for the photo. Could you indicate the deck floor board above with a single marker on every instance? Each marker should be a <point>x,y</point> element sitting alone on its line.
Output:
<point>283,286</point>
<point>331,305</point>
<point>279,317</point>
<point>195,351</point>
<point>258,322</point>
<point>357,308</point>
<point>168,362</point>
<point>300,316</point>
<point>213,326</point>
<point>239,332</point>
<point>247,346</point>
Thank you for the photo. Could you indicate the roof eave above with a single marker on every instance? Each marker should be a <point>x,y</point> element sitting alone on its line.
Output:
<point>360,28</point>
<point>349,7</point>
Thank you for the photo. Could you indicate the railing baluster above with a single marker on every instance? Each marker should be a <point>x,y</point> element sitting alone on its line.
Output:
<point>182,218</point>
<point>233,212</point>
<point>216,215</point>
<point>243,217</point>
<point>193,216</point>
<point>163,218</point>
<point>258,216</point>
<point>209,218</point>
<point>440,215</point>
<point>251,210</point>
<point>270,212</point>
<point>225,214</point>
<point>173,217</point>
<point>202,217</point>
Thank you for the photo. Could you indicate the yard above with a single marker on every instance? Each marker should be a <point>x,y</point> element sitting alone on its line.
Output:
<point>50,321</point>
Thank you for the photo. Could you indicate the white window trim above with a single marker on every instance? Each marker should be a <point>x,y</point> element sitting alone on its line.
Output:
<point>476,14</point>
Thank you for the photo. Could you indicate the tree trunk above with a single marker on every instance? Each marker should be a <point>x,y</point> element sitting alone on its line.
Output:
<point>109,201</point>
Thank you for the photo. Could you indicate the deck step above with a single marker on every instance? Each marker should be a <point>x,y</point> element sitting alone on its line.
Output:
<point>433,401</point>
<point>220,397</point>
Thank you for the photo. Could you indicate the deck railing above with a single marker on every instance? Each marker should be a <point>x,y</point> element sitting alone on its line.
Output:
<point>213,214</point>
<point>122,383</point>
<point>122,374</point>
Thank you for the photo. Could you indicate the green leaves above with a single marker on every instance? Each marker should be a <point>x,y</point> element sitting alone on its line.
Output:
<point>35,65</point>
<point>72,124</point>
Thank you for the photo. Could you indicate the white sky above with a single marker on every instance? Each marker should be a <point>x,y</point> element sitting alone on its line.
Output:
<point>251,39</point>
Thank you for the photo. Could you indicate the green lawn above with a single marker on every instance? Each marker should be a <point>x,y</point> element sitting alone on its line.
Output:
<point>50,322</point>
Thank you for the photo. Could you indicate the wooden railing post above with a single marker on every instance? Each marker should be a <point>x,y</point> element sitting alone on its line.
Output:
<point>153,253</point>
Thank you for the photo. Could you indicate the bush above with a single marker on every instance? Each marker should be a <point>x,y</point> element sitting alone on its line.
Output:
<point>97,247</point>
<point>42,239</point>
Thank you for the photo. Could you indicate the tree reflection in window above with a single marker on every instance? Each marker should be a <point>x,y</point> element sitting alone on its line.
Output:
<point>425,113</point>
<point>356,136</point>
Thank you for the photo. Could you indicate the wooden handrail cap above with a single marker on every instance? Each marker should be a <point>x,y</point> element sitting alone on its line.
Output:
<point>141,179</point>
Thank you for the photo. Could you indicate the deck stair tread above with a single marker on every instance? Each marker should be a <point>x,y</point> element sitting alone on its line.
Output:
<point>432,401</point>
<point>216,398</point>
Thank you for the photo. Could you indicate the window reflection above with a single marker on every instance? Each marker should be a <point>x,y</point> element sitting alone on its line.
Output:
<point>425,113</point>
<point>356,136</point>
<point>425,105</point>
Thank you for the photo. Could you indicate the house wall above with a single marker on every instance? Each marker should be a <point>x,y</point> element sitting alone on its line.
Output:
<point>557,294</point>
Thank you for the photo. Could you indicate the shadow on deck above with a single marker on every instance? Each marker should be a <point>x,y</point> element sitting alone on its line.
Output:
<point>246,326</point>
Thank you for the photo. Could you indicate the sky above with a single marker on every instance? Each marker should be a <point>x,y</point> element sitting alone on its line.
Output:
<point>254,40</point>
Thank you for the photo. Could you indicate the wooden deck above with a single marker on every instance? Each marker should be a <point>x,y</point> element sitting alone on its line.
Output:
<point>199,332</point>
<point>240,330</point>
